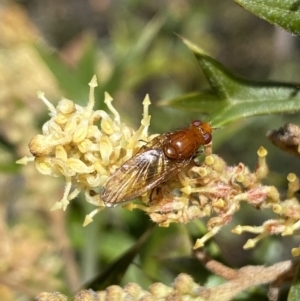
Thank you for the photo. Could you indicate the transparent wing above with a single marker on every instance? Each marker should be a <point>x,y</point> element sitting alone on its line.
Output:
<point>147,169</point>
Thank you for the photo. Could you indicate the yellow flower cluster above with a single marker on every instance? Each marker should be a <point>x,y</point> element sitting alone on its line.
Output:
<point>85,146</point>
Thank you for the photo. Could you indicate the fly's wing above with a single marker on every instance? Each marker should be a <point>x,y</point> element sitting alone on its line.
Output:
<point>147,169</point>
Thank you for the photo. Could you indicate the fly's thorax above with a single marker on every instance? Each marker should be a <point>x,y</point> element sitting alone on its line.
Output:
<point>181,144</point>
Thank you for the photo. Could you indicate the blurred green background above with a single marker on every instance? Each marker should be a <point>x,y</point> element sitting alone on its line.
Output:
<point>57,46</point>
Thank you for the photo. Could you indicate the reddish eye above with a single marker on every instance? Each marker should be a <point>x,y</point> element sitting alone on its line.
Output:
<point>207,138</point>
<point>197,123</point>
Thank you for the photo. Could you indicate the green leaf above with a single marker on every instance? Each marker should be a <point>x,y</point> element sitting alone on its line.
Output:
<point>232,97</point>
<point>284,13</point>
<point>206,102</point>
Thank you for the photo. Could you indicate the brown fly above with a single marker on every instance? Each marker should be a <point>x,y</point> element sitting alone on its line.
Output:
<point>156,162</point>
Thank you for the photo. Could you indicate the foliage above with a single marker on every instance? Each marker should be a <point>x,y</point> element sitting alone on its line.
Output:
<point>133,51</point>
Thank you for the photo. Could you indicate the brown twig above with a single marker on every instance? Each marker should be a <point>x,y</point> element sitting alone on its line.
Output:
<point>246,277</point>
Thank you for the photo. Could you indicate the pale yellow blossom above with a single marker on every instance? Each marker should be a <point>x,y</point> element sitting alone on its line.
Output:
<point>84,146</point>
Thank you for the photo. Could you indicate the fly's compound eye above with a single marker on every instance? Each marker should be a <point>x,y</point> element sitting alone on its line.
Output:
<point>207,138</point>
<point>197,123</point>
